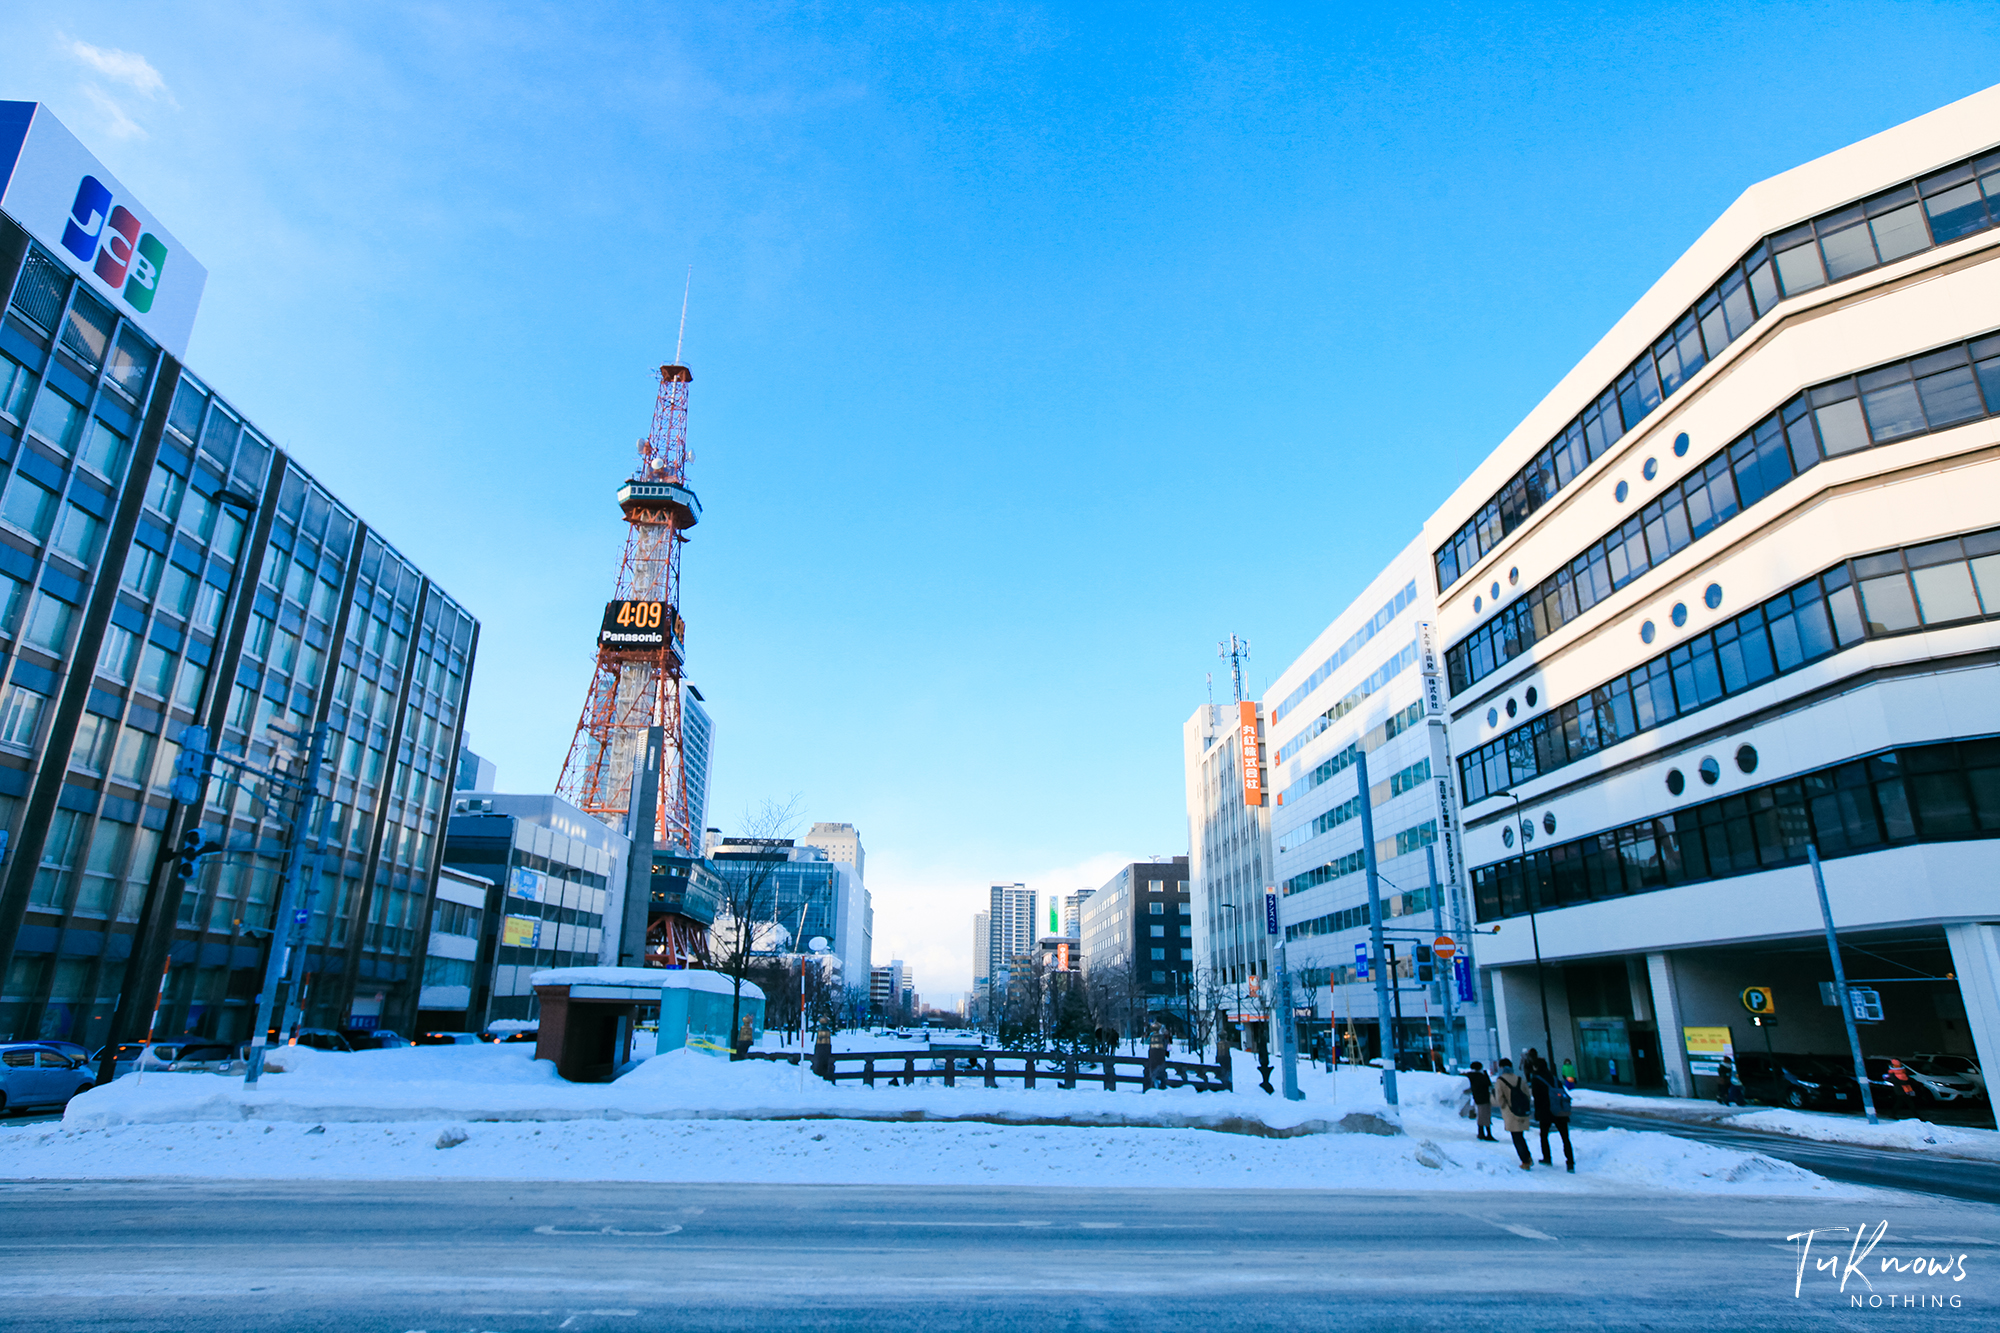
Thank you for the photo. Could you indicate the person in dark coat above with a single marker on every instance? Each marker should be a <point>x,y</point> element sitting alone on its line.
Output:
<point>1552,1105</point>
<point>1506,1085</point>
<point>1481,1088</point>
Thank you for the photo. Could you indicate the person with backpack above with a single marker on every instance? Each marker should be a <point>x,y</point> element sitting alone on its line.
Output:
<point>1552,1107</point>
<point>1510,1094</point>
<point>1480,1085</point>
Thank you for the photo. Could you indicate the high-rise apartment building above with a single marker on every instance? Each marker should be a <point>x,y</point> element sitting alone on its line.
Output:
<point>1072,912</point>
<point>163,564</point>
<point>982,965</point>
<point>1011,930</point>
<point>1730,595</point>
<point>808,894</point>
<point>697,749</point>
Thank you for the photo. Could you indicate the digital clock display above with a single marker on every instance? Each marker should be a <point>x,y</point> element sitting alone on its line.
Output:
<point>631,624</point>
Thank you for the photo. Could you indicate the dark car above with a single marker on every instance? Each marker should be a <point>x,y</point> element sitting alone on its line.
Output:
<point>1897,1087</point>
<point>373,1039</point>
<point>530,1035</point>
<point>1797,1081</point>
<point>321,1039</point>
<point>445,1039</point>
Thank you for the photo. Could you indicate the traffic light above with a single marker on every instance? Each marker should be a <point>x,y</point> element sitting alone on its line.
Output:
<point>187,859</point>
<point>1425,971</point>
<point>192,766</point>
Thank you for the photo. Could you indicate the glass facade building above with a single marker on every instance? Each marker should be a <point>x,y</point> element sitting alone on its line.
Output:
<point>135,602</point>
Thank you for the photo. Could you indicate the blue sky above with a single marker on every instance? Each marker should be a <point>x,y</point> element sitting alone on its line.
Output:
<point>1035,348</point>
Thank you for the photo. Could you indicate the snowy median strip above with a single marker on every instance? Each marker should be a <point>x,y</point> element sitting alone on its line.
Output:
<point>491,1112</point>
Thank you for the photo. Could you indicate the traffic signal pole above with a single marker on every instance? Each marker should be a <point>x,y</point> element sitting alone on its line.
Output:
<point>1385,1020</point>
<point>288,927</point>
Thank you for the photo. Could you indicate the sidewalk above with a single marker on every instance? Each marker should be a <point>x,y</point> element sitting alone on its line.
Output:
<point>1958,1141</point>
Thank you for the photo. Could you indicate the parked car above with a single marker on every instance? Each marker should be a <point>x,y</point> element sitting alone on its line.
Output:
<point>193,1057</point>
<point>321,1039</point>
<point>1797,1081</point>
<point>446,1039</point>
<point>1959,1073</point>
<point>69,1048</point>
<point>37,1074</point>
<point>529,1035</point>
<point>128,1057</point>
<point>373,1039</point>
<point>1897,1087</point>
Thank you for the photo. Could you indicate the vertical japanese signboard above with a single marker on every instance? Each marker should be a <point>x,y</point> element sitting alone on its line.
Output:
<point>1249,751</point>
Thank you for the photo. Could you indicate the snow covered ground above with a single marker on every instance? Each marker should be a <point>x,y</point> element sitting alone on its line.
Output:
<point>494,1112</point>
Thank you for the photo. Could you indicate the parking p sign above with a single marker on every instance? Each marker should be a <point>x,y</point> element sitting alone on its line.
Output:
<point>1758,1000</point>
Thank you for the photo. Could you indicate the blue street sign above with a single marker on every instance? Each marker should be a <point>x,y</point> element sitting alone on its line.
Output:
<point>1461,972</point>
<point>1271,912</point>
<point>302,916</point>
<point>1361,961</point>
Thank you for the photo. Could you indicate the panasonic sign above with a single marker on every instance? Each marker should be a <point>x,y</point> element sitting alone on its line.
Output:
<point>66,199</point>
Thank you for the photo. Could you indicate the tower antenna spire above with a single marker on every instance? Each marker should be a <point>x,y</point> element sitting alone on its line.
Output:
<point>681,337</point>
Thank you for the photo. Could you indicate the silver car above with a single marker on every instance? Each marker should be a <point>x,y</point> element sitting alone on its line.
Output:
<point>192,1057</point>
<point>32,1074</point>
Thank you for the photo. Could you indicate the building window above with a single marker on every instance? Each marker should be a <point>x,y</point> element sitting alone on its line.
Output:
<point>1156,909</point>
<point>1159,932</point>
<point>21,718</point>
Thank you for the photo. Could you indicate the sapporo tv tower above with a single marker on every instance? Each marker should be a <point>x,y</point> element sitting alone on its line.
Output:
<point>626,761</point>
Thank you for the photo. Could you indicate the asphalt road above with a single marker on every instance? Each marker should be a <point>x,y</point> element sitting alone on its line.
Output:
<point>1887,1168</point>
<point>443,1257</point>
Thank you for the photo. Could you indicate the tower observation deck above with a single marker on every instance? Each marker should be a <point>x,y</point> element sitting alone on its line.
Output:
<point>612,771</point>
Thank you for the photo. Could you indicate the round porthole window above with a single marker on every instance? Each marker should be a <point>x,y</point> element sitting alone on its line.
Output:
<point>1651,470</point>
<point>1681,445</point>
<point>1711,772</point>
<point>1746,758</point>
<point>1507,835</point>
<point>1492,717</point>
<point>1620,492</point>
<point>1532,696</point>
<point>1711,596</point>
<point>1549,823</point>
<point>1478,604</point>
<point>1527,831</point>
<point>1513,576</point>
<point>1680,615</point>
<point>1495,590</point>
<point>1646,632</point>
<point>1675,782</point>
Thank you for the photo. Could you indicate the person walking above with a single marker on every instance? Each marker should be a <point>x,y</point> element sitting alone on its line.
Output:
<point>1552,1106</point>
<point>1480,1085</point>
<point>1569,1073</point>
<point>1510,1094</point>
<point>1727,1093</point>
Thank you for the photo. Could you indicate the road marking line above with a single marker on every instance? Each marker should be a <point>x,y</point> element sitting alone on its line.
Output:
<point>1528,1233</point>
<point>553,1230</point>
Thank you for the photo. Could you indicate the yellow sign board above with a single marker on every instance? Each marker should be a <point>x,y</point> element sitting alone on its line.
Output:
<point>518,930</point>
<point>1760,1000</point>
<point>1707,1048</point>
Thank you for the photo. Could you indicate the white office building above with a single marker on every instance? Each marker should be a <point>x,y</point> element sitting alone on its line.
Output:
<point>1229,859</point>
<point>1355,699</point>
<point>1733,589</point>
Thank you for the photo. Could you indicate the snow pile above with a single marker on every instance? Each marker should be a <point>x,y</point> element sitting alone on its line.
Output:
<point>493,1111</point>
<point>1821,1126</point>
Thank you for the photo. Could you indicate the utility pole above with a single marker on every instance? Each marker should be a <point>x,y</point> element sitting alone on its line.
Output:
<point>1840,987</point>
<point>288,925</point>
<point>1288,1037</point>
<point>1384,1021</point>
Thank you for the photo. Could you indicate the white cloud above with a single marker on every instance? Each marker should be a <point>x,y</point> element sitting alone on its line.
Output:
<point>126,67</point>
<point>120,125</point>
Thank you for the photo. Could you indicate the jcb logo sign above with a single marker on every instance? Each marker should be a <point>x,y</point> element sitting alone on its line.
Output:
<point>109,233</point>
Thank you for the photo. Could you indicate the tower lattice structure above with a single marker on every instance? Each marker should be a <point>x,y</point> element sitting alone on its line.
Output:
<point>641,654</point>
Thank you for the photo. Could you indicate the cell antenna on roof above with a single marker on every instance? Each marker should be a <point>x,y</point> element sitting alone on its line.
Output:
<point>681,337</point>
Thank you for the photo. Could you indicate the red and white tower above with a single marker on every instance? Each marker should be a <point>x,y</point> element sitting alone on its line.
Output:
<point>640,656</point>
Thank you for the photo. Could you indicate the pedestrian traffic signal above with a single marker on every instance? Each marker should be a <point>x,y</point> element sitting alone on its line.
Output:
<point>1425,971</point>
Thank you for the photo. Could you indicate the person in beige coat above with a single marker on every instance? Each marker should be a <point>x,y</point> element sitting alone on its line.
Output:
<point>1506,1084</point>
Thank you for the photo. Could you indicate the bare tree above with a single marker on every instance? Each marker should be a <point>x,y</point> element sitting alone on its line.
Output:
<point>749,896</point>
